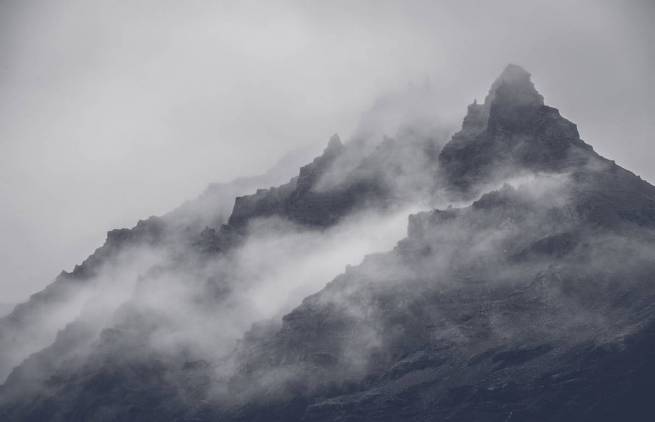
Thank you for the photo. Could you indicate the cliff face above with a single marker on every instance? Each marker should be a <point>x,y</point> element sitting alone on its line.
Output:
<point>345,179</point>
<point>517,306</point>
<point>296,198</point>
<point>511,133</point>
<point>33,325</point>
<point>534,302</point>
<point>67,317</point>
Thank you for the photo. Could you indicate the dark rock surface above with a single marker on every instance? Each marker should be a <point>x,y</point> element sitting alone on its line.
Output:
<point>31,326</point>
<point>354,180</point>
<point>536,302</point>
<point>511,133</point>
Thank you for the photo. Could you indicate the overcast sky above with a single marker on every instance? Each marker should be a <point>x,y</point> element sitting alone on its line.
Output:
<point>111,111</point>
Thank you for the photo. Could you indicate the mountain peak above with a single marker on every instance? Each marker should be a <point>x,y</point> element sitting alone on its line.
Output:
<point>514,87</point>
<point>334,144</point>
<point>512,91</point>
<point>512,131</point>
<point>531,303</point>
<point>514,72</point>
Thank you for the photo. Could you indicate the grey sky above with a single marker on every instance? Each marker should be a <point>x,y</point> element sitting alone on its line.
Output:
<point>112,111</point>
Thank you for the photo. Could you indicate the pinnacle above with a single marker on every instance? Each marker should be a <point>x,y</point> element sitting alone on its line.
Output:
<point>514,87</point>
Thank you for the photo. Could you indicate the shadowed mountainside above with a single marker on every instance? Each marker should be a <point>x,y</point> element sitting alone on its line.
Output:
<point>531,301</point>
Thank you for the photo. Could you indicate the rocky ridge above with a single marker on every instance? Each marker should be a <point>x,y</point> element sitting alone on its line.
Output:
<point>534,302</point>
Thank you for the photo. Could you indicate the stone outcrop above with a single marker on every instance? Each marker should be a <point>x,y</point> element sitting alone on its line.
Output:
<point>534,302</point>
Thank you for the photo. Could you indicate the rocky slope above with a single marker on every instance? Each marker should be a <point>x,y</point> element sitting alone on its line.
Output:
<point>532,301</point>
<point>32,325</point>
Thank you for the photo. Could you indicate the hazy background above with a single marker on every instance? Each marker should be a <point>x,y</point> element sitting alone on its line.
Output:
<point>111,111</point>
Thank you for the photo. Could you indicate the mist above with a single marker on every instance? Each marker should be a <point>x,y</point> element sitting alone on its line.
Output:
<point>114,111</point>
<point>301,211</point>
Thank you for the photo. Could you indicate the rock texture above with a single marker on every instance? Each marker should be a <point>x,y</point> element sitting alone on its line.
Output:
<point>512,132</point>
<point>534,302</point>
<point>33,325</point>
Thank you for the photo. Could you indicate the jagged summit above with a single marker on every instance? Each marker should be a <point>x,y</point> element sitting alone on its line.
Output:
<point>533,303</point>
<point>514,86</point>
<point>511,132</point>
<point>512,90</point>
<point>334,143</point>
<point>513,72</point>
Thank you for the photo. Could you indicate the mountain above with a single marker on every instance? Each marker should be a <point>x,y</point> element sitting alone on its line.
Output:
<point>33,324</point>
<point>512,132</point>
<point>526,295</point>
